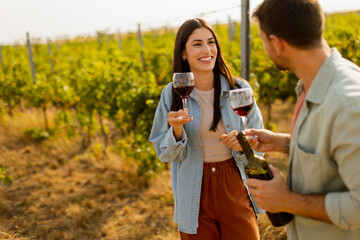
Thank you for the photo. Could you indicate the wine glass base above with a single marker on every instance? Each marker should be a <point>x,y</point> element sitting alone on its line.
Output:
<point>181,117</point>
<point>251,137</point>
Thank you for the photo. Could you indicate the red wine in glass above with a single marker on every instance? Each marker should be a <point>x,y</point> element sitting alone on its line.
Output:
<point>183,84</point>
<point>244,110</point>
<point>184,92</point>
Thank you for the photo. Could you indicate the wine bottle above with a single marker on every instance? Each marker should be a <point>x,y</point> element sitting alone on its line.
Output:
<point>257,167</point>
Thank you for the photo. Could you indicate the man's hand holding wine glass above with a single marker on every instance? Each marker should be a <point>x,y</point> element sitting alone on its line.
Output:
<point>264,141</point>
<point>268,141</point>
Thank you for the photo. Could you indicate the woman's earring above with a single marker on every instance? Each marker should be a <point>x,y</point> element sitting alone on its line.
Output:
<point>184,59</point>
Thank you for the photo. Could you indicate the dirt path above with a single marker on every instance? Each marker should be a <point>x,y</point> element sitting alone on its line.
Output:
<point>62,191</point>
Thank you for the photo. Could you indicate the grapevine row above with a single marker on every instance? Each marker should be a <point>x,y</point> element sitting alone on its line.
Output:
<point>90,80</point>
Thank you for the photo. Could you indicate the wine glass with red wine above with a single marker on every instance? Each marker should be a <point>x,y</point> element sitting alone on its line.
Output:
<point>183,84</point>
<point>242,101</point>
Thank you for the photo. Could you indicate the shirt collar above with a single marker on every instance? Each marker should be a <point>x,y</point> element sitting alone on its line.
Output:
<point>299,88</point>
<point>323,78</point>
<point>224,84</point>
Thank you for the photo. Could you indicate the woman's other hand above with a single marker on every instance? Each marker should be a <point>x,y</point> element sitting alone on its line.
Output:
<point>231,141</point>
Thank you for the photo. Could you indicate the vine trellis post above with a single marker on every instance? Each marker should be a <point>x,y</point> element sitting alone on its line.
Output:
<point>32,65</point>
<point>245,40</point>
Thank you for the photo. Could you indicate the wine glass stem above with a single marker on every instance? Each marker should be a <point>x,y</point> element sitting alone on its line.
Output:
<point>244,119</point>
<point>184,103</point>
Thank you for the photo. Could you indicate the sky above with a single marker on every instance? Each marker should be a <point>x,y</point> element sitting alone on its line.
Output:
<point>58,19</point>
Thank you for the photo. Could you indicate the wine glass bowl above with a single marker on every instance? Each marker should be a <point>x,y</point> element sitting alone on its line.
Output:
<point>241,101</point>
<point>183,84</point>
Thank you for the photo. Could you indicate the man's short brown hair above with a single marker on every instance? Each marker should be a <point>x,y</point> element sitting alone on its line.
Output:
<point>299,22</point>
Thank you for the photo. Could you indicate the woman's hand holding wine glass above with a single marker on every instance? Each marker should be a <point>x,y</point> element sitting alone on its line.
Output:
<point>183,84</point>
<point>177,119</point>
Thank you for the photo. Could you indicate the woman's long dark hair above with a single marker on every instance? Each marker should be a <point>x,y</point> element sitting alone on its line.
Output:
<point>179,65</point>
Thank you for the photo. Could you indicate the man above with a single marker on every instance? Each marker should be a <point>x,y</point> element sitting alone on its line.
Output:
<point>323,187</point>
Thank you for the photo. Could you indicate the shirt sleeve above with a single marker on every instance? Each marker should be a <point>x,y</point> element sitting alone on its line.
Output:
<point>343,208</point>
<point>162,136</point>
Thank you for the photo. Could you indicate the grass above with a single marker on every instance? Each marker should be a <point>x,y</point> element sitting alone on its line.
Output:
<point>64,191</point>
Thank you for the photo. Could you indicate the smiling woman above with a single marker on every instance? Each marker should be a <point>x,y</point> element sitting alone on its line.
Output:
<point>211,201</point>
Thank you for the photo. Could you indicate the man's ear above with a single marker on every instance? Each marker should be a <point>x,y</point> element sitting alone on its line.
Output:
<point>278,44</point>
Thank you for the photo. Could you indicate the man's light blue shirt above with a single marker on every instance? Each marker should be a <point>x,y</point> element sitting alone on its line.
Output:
<point>325,151</point>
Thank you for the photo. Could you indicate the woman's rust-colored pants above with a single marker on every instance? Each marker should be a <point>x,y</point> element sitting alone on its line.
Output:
<point>225,209</point>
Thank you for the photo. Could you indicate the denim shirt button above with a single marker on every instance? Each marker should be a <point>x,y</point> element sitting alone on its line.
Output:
<point>228,125</point>
<point>222,107</point>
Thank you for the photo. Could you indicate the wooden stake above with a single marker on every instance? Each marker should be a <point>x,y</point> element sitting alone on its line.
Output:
<point>32,65</point>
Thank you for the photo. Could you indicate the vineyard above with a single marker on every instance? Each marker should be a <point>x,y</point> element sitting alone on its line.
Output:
<point>100,94</point>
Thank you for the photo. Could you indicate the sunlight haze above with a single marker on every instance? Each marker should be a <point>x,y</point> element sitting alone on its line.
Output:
<point>50,19</point>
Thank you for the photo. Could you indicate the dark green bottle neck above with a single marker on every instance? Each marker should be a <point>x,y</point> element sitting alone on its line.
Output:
<point>249,153</point>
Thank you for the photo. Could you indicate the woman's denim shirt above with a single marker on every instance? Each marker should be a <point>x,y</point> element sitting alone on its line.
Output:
<point>186,155</point>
